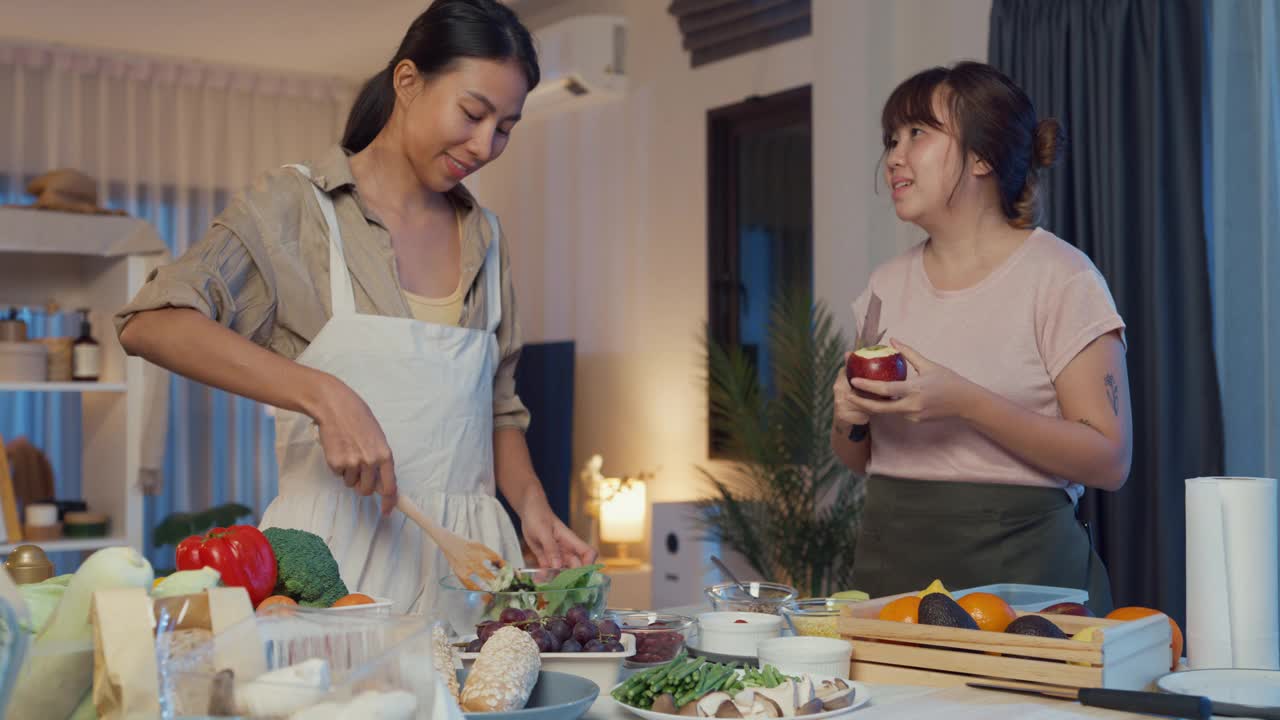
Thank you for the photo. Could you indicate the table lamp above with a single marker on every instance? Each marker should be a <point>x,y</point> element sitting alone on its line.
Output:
<point>622,516</point>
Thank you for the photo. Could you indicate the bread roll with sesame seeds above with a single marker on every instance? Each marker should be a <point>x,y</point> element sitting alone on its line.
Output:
<point>504,674</point>
<point>445,659</point>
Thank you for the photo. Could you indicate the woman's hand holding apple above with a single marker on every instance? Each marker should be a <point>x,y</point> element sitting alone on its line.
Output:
<point>934,393</point>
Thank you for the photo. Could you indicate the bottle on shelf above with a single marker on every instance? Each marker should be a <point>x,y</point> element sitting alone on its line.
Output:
<point>86,354</point>
<point>12,327</point>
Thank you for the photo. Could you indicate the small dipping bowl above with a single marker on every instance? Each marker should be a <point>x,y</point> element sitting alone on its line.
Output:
<point>736,633</point>
<point>816,616</point>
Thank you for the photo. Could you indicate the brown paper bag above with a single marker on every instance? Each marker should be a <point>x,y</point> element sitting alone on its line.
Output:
<point>126,684</point>
<point>124,656</point>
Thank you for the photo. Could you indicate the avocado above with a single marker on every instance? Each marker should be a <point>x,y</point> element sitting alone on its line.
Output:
<point>1035,626</point>
<point>938,609</point>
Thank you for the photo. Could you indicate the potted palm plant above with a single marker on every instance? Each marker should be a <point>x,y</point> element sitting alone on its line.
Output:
<point>783,501</point>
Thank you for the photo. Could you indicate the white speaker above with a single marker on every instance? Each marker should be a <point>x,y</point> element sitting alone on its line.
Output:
<point>681,557</point>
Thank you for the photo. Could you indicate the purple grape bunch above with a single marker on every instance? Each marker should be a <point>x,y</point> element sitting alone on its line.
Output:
<point>571,633</point>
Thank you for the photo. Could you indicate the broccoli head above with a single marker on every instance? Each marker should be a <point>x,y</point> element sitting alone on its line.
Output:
<point>305,569</point>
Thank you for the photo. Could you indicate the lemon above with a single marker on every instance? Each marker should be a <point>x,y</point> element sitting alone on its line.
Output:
<point>1085,635</point>
<point>935,587</point>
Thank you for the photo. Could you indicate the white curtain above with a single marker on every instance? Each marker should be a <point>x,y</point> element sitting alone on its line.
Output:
<point>1244,227</point>
<point>169,141</point>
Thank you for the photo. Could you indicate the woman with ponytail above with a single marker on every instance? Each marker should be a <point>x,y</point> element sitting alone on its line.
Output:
<point>367,295</point>
<point>1017,396</point>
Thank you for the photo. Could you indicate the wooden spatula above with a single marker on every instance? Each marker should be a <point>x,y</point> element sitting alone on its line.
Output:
<point>465,558</point>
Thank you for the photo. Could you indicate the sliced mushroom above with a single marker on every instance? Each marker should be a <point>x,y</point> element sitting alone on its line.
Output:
<point>842,699</point>
<point>784,696</point>
<point>689,709</point>
<point>711,703</point>
<point>831,688</point>
<point>813,707</point>
<point>804,690</point>
<point>728,710</point>
<point>665,703</point>
<point>765,707</point>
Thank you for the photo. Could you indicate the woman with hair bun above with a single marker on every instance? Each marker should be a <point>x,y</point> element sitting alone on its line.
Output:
<point>1017,396</point>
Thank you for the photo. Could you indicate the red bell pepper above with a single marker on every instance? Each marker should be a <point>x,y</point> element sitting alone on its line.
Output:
<point>241,553</point>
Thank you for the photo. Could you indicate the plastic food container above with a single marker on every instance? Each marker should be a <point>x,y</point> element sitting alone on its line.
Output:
<point>1029,598</point>
<point>816,616</point>
<point>659,637</point>
<point>736,633</point>
<point>364,653</point>
<point>755,597</point>
<point>464,609</point>
<point>827,657</point>
<point>601,668</point>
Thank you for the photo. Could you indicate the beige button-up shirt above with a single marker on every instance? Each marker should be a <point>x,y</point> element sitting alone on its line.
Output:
<point>262,270</point>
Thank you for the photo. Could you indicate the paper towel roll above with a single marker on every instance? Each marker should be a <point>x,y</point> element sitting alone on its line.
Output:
<point>1233,573</point>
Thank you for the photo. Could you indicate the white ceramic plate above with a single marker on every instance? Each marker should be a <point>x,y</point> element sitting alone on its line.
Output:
<point>861,696</point>
<point>1246,687</point>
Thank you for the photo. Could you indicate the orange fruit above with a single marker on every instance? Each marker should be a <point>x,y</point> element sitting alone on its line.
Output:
<point>277,600</point>
<point>904,609</point>
<point>989,611</point>
<point>1133,613</point>
<point>352,599</point>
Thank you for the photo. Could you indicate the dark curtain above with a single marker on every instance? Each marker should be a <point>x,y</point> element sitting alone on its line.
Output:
<point>1126,78</point>
<point>544,383</point>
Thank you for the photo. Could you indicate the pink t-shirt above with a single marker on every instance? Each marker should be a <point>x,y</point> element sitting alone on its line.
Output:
<point>1012,333</point>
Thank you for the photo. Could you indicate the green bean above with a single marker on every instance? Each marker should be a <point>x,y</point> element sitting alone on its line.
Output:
<point>690,668</point>
<point>661,673</point>
<point>688,697</point>
<point>712,679</point>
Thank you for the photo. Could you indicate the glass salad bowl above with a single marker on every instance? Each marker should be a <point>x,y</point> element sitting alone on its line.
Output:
<point>758,597</point>
<point>545,591</point>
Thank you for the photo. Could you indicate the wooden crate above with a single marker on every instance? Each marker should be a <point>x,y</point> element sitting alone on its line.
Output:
<point>1126,655</point>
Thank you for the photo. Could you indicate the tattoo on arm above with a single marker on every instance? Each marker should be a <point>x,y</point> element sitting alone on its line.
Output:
<point>1113,394</point>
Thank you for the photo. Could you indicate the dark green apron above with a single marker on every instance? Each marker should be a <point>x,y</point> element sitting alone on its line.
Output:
<point>970,534</point>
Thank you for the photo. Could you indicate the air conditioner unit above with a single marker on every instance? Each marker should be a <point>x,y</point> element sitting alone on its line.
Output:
<point>582,63</point>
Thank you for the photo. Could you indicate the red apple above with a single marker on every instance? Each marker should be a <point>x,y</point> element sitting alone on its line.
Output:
<point>878,362</point>
<point>1068,608</point>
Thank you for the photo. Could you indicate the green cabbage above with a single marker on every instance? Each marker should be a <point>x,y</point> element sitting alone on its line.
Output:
<point>42,599</point>
<point>186,582</point>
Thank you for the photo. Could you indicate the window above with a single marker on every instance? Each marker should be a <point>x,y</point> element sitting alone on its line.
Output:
<point>760,219</point>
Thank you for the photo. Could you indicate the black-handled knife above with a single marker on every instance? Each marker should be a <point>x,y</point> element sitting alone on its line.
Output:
<point>1195,707</point>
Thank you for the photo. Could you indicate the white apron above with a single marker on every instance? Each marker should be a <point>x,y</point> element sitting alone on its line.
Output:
<point>431,389</point>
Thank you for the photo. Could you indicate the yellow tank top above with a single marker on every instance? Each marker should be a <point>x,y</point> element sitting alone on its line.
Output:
<point>441,311</point>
